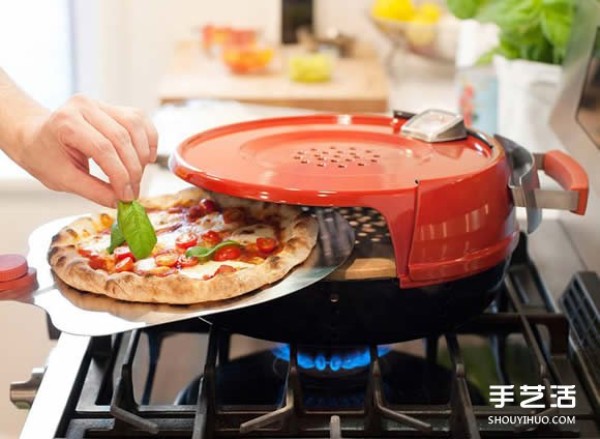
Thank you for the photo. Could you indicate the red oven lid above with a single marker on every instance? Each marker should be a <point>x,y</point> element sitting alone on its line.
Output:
<point>446,204</point>
<point>321,160</point>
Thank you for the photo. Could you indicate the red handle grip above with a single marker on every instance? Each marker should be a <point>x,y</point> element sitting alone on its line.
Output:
<point>569,174</point>
<point>15,274</point>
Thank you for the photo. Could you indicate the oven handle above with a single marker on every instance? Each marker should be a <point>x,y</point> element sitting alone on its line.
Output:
<point>571,176</point>
<point>565,171</point>
<point>525,187</point>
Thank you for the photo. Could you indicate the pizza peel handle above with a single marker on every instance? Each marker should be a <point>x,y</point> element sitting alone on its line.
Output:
<point>81,313</point>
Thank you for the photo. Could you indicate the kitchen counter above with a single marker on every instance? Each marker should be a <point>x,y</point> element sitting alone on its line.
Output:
<point>359,83</point>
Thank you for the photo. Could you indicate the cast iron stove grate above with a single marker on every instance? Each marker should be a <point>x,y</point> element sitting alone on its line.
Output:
<point>581,302</point>
<point>103,404</point>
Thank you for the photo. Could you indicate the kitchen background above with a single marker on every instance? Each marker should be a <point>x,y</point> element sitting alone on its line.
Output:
<point>122,51</point>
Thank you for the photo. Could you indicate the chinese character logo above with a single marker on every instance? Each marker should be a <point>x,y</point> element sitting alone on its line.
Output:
<point>535,394</point>
<point>500,395</point>
<point>564,396</point>
<point>532,397</point>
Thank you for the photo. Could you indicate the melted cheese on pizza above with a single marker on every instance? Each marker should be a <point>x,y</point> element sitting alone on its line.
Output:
<point>249,234</point>
<point>209,268</point>
<point>162,219</point>
<point>145,264</point>
<point>96,244</point>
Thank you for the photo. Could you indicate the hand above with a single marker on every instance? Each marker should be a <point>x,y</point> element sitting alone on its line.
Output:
<point>56,148</point>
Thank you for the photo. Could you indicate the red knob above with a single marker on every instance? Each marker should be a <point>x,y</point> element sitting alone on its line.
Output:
<point>15,274</point>
<point>12,267</point>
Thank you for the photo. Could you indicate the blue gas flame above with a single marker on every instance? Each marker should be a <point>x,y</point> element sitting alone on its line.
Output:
<point>334,362</point>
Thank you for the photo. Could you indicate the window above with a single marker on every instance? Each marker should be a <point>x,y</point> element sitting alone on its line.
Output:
<point>35,48</point>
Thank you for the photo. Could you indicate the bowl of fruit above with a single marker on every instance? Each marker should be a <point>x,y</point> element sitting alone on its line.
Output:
<point>247,58</point>
<point>310,67</point>
<point>421,27</point>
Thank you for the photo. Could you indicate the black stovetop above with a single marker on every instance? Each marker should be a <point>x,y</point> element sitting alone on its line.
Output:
<point>436,387</point>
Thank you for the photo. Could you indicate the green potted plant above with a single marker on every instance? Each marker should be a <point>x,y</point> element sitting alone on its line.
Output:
<point>532,43</point>
<point>534,30</point>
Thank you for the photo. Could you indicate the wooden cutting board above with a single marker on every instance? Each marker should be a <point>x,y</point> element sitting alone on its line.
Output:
<point>359,84</point>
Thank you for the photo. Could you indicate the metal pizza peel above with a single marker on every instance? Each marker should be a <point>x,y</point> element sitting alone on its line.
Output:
<point>89,314</point>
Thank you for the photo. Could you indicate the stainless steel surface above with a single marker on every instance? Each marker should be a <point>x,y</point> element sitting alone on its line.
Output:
<point>76,312</point>
<point>581,231</point>
<point>22,393</point>
<point>561,200</point>
<point>53,395</point>
<point>435,126</point>
<point>553,199</point>
<point>575,70</point>
<point>523,180</point>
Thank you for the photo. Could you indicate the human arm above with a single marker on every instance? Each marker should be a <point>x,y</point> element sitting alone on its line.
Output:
<point>55,146</point>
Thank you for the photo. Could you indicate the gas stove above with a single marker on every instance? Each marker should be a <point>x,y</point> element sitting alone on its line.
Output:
<point>190,379</point>
<point>526,367</point>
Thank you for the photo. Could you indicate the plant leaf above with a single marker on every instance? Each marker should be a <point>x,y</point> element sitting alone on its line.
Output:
<point>536,30</point>
<point>116,237</point>
<point>556,23</point>
<point>464,9</point>
<point>512,16</point>
<point>486,58</point>
<point>136,228</point>
<point>201,252</point>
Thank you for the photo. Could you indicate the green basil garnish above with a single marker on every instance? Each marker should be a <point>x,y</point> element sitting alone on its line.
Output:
<point>116,237</point>
<point>204,253</point>
<point>136,228</point>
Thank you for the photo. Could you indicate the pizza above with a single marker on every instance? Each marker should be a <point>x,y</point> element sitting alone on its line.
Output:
<point>251,243</point>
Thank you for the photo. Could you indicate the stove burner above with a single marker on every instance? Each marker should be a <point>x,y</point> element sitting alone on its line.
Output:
<point>437,391</point>
<point>255,380</point>
<point>339,360</point>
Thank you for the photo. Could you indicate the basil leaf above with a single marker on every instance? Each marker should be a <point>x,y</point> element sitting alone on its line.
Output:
<point>464,9</point>
<point>201,252</point>
<point>116,237</point>
<point>136,228</point>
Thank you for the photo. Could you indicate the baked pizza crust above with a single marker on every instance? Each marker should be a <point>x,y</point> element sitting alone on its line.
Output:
<point>299,235</point>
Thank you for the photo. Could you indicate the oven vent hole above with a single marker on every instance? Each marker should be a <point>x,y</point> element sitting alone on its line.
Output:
<point>352,156</point>
<point>369,225</point>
